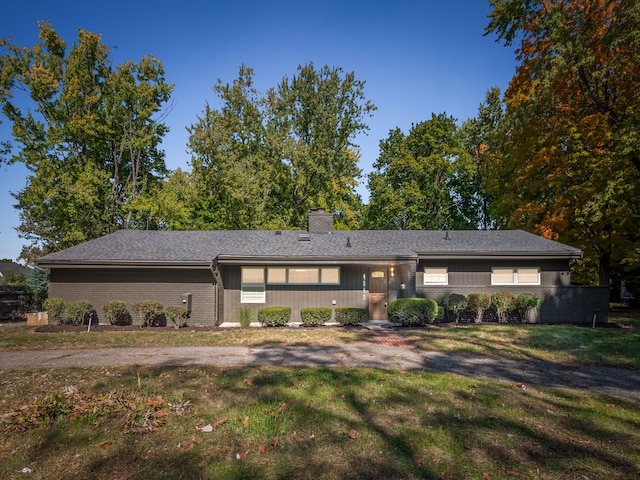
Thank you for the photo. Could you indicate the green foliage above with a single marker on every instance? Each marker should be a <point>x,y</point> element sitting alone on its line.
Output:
<point>454,303</point>
<point>412,186</point>
<point>504,303</point>
<point>274,316</point>
<point>478,303</point>
<point>150,313</point>
<point>315,316</point>
<point>244,316</point>
<point>79,311</point>
<point>116,313</point>
<point>54,308</point>
<point>350,316</point>
<point>263,161</point>
<point>413,311</point>
<point>177,314</point>
<point>90,137</point>
<point>37,288</point>
<point>525,303</point>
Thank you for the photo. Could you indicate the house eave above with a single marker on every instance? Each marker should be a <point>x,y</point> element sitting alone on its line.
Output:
<point>500,255</point>
<point>111,264</point>
<point>313,260</point>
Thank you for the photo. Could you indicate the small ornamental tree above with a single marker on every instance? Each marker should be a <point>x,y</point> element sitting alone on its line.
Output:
<point>149,313</point>
<point>178,315</point>
<point>504,303</point>
<point>454,303</point>
<point>116,313</point>
<point>526,304</point>
<point>477,304</point>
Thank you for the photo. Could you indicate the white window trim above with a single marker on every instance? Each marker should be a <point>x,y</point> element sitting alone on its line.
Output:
<point>516,280</point>
<point>441,282</point>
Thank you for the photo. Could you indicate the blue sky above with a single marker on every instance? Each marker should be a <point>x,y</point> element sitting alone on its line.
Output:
<point>416,57</point>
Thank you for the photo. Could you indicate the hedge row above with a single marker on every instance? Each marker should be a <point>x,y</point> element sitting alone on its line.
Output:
<point>80,312</point>
<point>311,317</point>
<point>504,305</point>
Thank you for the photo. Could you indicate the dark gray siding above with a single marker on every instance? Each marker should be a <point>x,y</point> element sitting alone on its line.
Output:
<point>133,285</point>
<point>348,294</point>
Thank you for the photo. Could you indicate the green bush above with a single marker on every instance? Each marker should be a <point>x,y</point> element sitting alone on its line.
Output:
<point>350,316</point>
<point>149,313</point>
<point>504,303</point>
<point>477,304</point>
<point>315,316</point>
<point>79,312</point>
<point>244,316</point>
<point>178,315</point>
<point>413,311</point>
<point>454,303</point>
<point>55,309</point>
<point>525,304</point>
<point>116,313</point>
<point>274,316</point>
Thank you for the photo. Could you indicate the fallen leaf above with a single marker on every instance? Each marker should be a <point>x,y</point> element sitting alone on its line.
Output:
<point>274,442</point>
<point>298,438</point>
<point>222,449</point>
<point>105,444</point>
<point>248,381</point>
<point>263,449</point>
<point>245,422</point>
<point>486,476</point>
<point>353,434</point>
<point>220,422</point>
<point>296,383</point>
<point>282,408</point>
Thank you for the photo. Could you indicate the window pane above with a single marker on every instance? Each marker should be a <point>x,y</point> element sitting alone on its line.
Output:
<point>303,275</point>
<point>528,275</point>
<point>253,294</point>
<point>331,275</point>
<point>435,276</point>
<point>504,276</point>
<point>277,275</point>
<point>252,275</point>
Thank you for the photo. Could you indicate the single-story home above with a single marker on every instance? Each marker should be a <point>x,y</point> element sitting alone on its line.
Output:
<point>216,273</point>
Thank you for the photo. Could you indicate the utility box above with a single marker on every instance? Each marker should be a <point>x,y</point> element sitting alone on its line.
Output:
<point>186,301</point>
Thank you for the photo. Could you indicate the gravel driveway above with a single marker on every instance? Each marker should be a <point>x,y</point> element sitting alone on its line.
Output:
<point>599,380</point>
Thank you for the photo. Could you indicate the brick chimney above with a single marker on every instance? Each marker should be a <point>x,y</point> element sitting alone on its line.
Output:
<point>320,221</point>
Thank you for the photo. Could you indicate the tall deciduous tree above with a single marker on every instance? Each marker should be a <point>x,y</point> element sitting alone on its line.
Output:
<point>263,160</point>
<point>415,183</point>
<point>91,142</point>
<point>570,163</point>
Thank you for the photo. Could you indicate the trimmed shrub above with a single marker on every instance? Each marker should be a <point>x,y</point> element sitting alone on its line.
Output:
<point>116,312</point>
<point>525,304</point>
<point>274,316</point>
<point>350,316</point>
<point>149,313</point>
<point>477,304</point>
<point>454,303</point>
<point>54,308</point>
<point>177,314</point>
<point>315,316</point>
<point>504,303</point>
<point>244,316</point>
<point>413,311</point>
<point>79,312</point>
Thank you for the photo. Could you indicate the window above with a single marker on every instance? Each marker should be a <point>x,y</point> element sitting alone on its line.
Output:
<point>330,276</point>
<point>436,276</point>
<point>515,276</point>
<point>252,288</point>
<point>303,276</point>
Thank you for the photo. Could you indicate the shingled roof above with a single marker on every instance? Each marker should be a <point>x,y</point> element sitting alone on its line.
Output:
<point>135,247</point>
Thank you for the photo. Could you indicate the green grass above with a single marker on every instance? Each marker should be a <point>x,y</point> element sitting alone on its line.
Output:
<point>329,423</point>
